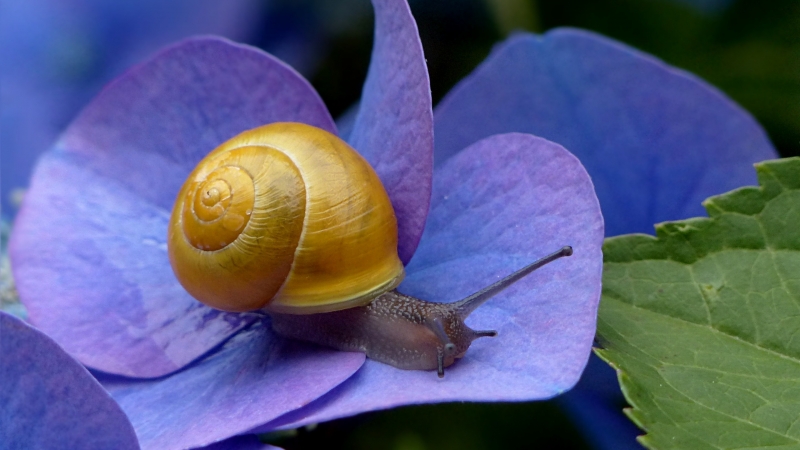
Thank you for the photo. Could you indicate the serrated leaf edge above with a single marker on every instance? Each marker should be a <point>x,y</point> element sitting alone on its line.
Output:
<point>767,180</point>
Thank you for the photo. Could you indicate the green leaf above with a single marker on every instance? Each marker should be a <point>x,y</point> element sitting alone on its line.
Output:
<point>702,322</point>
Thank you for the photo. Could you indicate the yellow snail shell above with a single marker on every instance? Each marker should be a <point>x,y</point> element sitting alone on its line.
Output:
<point>285,217</point>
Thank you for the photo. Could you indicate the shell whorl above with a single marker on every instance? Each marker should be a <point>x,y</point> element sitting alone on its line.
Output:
<point>285,217</point>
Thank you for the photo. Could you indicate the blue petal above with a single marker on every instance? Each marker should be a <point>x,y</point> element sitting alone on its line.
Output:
<point>657,141</point>
<point>394,125</point>
<point>252,379</point>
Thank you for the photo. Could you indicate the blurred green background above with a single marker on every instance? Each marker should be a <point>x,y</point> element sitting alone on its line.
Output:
<point>463,426</point>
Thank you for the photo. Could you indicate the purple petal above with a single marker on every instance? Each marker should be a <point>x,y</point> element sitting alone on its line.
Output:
<point>656,141</point>
<point>254,378</point>
<point>497,206</point>
<point>394,125</point>
<point>47,398</point>
<point>88,247</point>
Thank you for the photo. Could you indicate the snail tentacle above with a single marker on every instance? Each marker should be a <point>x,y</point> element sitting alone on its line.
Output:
<point>470,303</point>
<point>440,363</point>
<point>447,348</point>
<point>485,333</point>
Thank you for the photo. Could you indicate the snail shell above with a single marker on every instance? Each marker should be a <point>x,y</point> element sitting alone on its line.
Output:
<point>285,217</point>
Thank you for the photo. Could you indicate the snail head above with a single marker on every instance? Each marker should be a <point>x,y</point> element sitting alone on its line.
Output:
<point>447,322</point>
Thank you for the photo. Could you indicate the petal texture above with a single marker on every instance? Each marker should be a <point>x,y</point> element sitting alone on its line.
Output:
<point>393,129</point>
<point>93,226</point>
<point>252,379</point>
<point>656,141</point>
<point>497,206</point>
<point>46,397</point>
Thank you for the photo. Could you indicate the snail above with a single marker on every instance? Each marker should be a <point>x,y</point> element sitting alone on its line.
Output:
<point>289,219</point>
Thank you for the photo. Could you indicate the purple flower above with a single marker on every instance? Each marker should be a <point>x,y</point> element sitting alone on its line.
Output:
<point>89,254</point>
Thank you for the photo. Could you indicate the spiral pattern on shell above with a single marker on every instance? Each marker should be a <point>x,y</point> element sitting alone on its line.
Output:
<point>286,217</point>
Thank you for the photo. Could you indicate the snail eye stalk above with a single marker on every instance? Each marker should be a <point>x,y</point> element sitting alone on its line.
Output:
<point>467,305</point>
<point>485,333</point>
<point>447,349</point>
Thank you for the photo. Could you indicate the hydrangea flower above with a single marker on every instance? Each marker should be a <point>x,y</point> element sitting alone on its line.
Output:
<point>90,261</point>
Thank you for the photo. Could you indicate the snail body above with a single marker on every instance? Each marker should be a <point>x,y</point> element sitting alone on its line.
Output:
<point>290,220</point>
